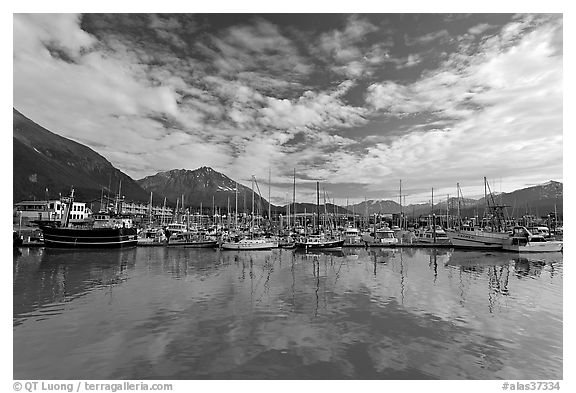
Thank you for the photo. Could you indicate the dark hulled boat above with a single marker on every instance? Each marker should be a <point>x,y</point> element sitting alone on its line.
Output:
<point>89,237</point>
<point>106,231</point>
<point>319,242</point>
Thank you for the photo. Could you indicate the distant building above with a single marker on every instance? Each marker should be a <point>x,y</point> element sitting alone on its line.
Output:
<point>141,210</point>
<point>51,210</point>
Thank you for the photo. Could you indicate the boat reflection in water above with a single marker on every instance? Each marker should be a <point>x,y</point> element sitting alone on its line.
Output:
<point>187,313</point>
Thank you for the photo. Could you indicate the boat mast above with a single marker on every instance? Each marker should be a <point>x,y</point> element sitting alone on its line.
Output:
<point>458,192</point>
<point>163,212</point>
<point>366,212</point>
<point>432,205</point>
<point>447,208</point>
<point>236,209</point>
<point>294,198</point>
<point>317,207</point>
<point>150,218</point>
<point>400,198</point>
<point>433,219</point>
<point>118,197</point>
<point>175,218</point>
<point>252,182</point>
<point>287,211</point>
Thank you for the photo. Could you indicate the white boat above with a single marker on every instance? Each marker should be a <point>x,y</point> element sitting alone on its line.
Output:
<point>352,237</point>
<point>477,238</point>
<point>176,228</point>
<point>432,235</point>
<point>250,244</point>
<point>151,236</point>
<point>540,230</point>
<point>381,237</point>
<point>522,240</point>
<point>192,239</point>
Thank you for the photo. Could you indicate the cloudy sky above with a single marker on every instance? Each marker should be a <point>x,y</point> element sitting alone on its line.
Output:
<point>355,101</point>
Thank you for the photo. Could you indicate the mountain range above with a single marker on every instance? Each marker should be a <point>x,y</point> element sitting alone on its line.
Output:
<point>44,161</point>
<point>204,186</point>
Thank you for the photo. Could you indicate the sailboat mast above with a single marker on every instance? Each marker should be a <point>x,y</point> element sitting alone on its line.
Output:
<point>236,208</point>
<point>150,219</point>
<point>447,208</point>
<point>458,192</point>
<point>294,198</point>
<point>366,211</point>
<point>163,212</point>
<point>175,219</point>
<point>317,207</point>
<point>432,208</point>
<point>400,198</point>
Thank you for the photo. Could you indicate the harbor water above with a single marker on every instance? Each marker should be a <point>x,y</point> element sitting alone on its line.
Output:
<point>179,313</point>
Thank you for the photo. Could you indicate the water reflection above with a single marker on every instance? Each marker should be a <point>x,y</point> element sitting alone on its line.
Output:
<point>360,313</point>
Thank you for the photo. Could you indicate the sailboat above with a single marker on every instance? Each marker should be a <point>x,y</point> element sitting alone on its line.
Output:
<point>319,240</point>
<point>238,242</point>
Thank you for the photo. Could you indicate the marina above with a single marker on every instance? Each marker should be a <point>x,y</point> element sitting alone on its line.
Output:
<point>288,196</point>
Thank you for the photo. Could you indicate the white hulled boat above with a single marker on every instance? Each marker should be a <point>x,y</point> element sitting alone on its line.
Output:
<point>352,237</point>
<point>432,235</point>
<point>381,237</point>
<point>249,244</point>
<point>475,237</point>
<point>522,240</point>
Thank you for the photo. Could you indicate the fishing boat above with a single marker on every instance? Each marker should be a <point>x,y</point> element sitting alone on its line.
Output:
<point>492,236</point>
<point>522,240</point>
<point>107,230</point>
<point>470,236</point>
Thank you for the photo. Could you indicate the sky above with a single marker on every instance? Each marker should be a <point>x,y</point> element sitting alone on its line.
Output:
<point>355,101</point>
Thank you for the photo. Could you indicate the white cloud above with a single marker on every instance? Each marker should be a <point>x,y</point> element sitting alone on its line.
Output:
<point>152,109</point>
<point>506,105</point>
